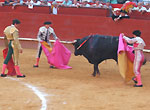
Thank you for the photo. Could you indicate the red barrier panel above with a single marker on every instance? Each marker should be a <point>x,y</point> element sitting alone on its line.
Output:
<point>138,15</point>
<point>83,11</point>
<point>6,9</point>
<point>68,27</point>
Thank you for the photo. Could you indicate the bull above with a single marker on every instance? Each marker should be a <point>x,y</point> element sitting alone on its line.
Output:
<point>97,48</point>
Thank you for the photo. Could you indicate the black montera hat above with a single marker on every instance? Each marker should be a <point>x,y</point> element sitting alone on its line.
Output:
<point>47,22</point>
<point>137,33</point>
<point>16,21</point>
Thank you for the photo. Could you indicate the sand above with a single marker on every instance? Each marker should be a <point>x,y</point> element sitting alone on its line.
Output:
<point>72,89</point>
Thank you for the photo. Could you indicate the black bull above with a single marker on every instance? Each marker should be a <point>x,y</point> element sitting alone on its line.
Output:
<point>97,48</point>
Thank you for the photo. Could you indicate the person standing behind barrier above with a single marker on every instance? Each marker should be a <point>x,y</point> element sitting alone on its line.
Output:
<point>44,35</point>
<point>54,7</point>
<point>109,7</point>
<point>14,47</point>
<point>138,45</point>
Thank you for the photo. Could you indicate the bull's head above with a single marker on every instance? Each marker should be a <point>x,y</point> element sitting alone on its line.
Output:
<point>76,44</point>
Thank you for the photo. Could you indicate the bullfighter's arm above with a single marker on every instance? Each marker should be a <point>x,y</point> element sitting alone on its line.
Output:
<point>130,41</point>
<point>16,40</point>
<point>39,36</point>
<point>54,35</point>
<point>5,41</point>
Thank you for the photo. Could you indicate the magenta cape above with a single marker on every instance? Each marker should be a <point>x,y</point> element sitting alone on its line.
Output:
<point>10,66</point>
<point>125,59</point>
<point>59,56</point>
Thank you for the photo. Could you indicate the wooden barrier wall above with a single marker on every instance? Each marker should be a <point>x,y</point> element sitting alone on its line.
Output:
<point>72,11</point>
<point>70,27</point>
<point>83,11</point>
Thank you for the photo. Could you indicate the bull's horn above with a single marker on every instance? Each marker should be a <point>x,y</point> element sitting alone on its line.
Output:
<point>74,41</point>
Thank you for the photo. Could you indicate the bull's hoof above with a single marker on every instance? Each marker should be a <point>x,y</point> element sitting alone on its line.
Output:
<point>144,62</point>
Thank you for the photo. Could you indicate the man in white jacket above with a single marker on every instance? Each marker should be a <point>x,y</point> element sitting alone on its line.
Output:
<point>138,45</point>
<point>44,35</point>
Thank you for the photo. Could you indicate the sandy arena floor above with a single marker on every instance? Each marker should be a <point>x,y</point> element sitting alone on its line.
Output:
<point>72,89</point>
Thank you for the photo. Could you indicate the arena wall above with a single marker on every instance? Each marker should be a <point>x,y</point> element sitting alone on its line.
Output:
<point>71,26</point>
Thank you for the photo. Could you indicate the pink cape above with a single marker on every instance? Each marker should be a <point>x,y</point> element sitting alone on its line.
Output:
<point>125,59</point>
<point>10,66</point>
<point>122,46</point>
<point>59,56</point>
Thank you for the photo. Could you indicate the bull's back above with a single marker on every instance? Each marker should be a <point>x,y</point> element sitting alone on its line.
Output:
<point>103,43</point>
<point>101,48</point>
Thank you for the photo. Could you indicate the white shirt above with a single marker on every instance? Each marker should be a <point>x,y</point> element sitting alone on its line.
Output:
<point>30,4</point>
<point>139,9</point>
<point>148,10</point>
<point>137,41</point>
<point>98,6</point>
<point>54,10</point>
<point>44,34</point>
<point>48,4</point>
<point>37,3</point>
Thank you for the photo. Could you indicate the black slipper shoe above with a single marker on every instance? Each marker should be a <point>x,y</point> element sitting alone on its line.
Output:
<point>3,75</point>
<point>138,85</point>
<point>35,66</point>
<point>18,76</point>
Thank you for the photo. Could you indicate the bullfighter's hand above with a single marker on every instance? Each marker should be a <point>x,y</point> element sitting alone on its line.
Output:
<point>122,34</point>
<point>20,50</point>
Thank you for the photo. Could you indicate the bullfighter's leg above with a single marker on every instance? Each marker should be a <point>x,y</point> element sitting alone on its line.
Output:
<point>16,62</point>
<point>138,61</point>
<point>39,51</point>
<point>8,57</point>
